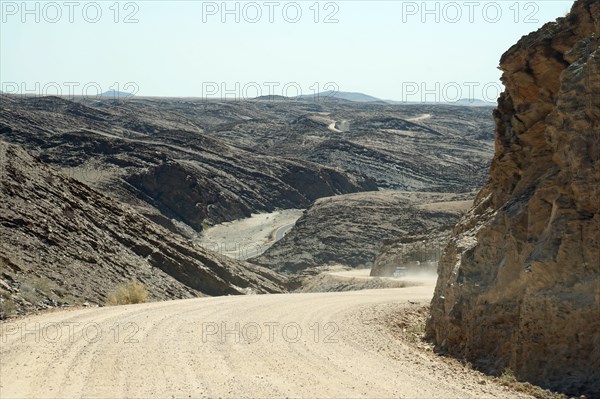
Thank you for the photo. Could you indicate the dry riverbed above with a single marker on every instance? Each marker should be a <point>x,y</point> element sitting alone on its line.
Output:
<point>246,238</point>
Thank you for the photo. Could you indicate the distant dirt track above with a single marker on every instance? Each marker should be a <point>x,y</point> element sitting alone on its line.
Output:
<point>161,351</point>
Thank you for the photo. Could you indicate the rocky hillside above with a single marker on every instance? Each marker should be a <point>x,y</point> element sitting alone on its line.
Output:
<point>519,284</point>
<point>348,229</point>
<point>435,148</point>
<point>148,154</point>
<point>175,166</point>
<point>63,243</point>
<point>187,163</point>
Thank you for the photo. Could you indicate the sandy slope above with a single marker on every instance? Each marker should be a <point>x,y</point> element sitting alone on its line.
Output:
<point>166,349</point>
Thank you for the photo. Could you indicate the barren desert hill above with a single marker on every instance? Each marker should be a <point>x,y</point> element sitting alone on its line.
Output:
<point>189,162</point>
<point>342,95</point>
<point>418,147</point>
<point>161,162</point>
<point>184,164</point>
<point>64,243</point>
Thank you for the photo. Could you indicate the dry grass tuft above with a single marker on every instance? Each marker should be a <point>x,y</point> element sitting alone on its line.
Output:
<point>132,292</point>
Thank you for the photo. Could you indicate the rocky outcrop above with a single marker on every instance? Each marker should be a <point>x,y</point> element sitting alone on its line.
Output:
<point>63,243</point>
<point>519,283</point>
<point>348,229</point>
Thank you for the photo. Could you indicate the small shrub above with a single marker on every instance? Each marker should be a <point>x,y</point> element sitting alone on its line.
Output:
<point>69,300</point>
<point>415,332</point>
<point>132,292</point>
<point>508,375</point>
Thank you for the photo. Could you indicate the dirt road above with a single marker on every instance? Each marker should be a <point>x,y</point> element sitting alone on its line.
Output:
<point>290,345</point>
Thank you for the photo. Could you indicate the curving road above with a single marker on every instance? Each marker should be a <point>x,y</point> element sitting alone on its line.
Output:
<point>280,232</point>
<point>291,345</point>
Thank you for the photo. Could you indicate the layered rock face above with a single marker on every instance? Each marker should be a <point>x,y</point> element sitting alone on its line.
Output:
<point>519,283</point>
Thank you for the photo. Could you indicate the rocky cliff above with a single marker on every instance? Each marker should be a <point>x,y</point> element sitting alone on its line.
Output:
<point>519,284</point>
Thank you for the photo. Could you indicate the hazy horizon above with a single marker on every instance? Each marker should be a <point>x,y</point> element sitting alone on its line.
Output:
<point>403,51</point>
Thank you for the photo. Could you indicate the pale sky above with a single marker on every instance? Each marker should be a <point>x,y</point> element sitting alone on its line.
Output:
<point>388,49</point>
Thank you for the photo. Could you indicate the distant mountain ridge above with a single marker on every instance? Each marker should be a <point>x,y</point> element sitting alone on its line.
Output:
<point>365,98</point>
<point>463,102</point>
<point>343,95</point>
<point>116,94</point>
